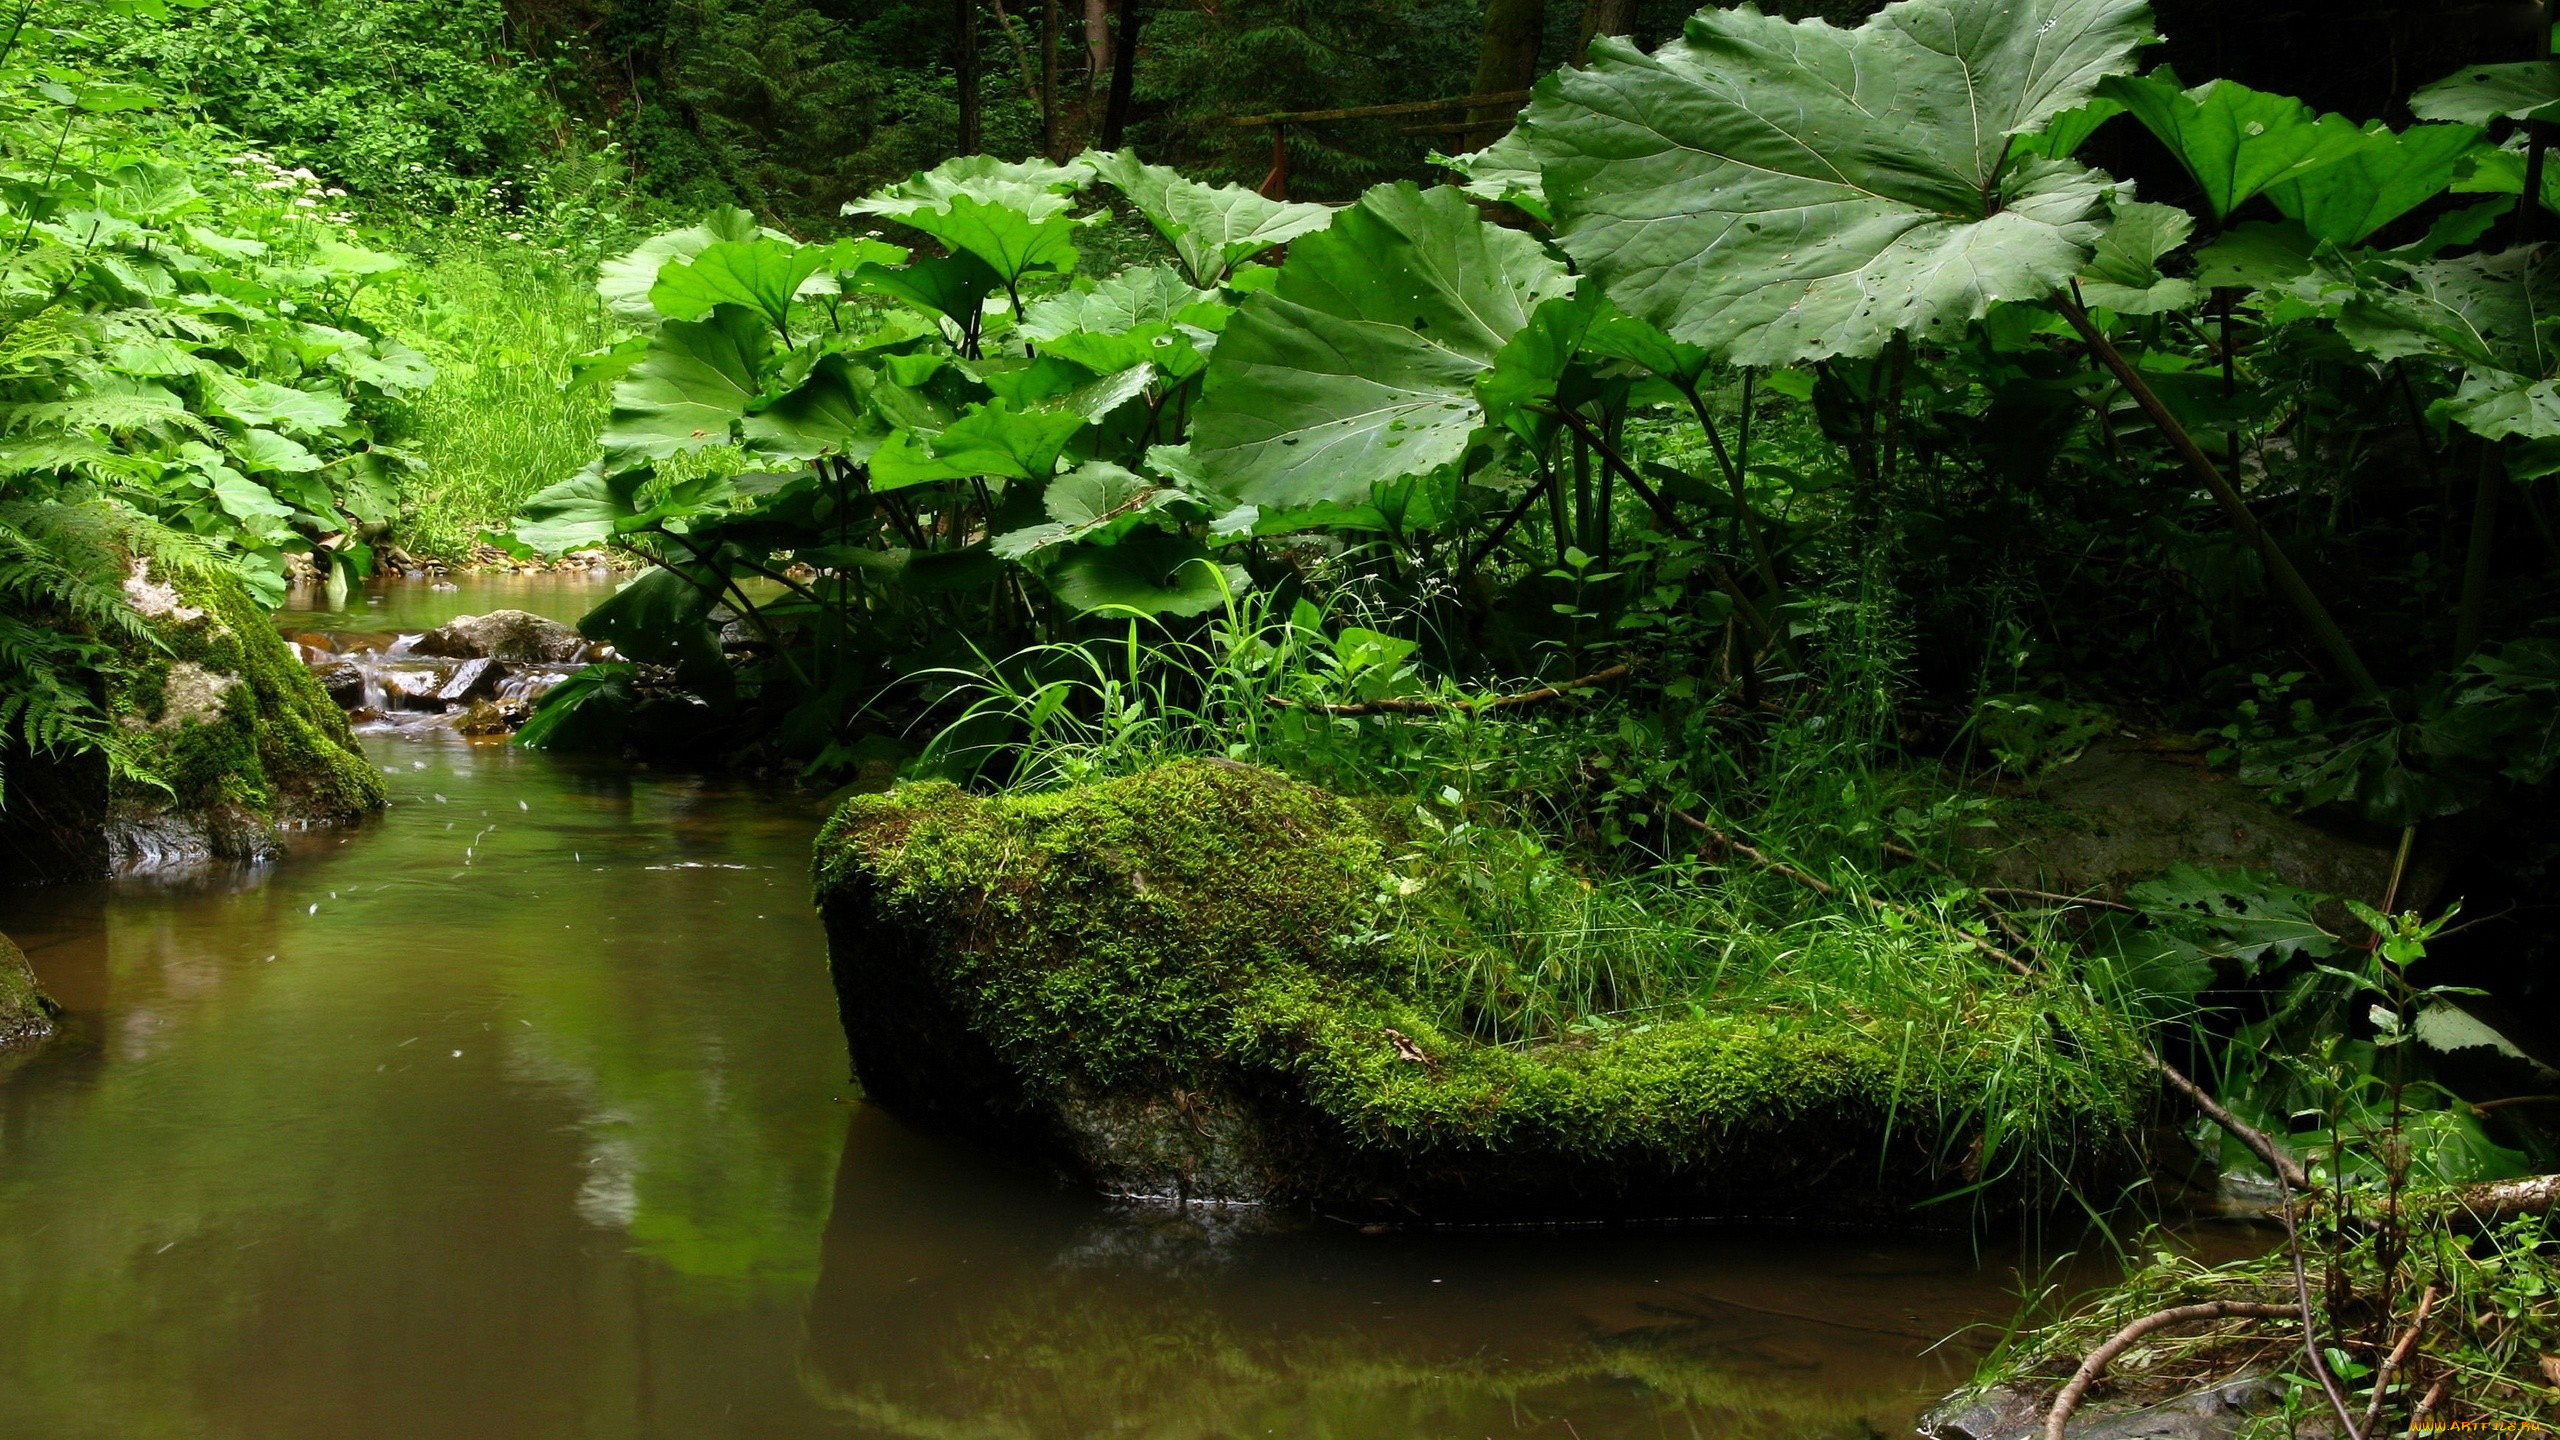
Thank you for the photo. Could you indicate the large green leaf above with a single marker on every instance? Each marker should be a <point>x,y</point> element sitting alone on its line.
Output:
<point>1212,227</point>
<point>278,407</point>
<point>1146,315</point>
<point>1151,572</point>
<point>2478,94</point>
<point>1506,172</point>
<point>1013,216</point>
<point>2235,141</point>
<point>2124,273</point>
<point>993,439</point>
<point>759,274</point>
<point>663,618</point>
<point>624,283</point>
<point>2384,176</point>
<point>1096,503</point>
<point>825,414</point>
<point>1357,367</point>
<point>696,380</point>
<point>2491,316</point>
<point>1780,191</point>
<point>953,286</point>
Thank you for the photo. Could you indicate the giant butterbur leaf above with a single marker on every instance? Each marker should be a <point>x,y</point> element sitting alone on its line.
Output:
<point>1011,215</point>
<point>2494,317</point>
<point>2235,141</point>
<point>760,274</point>
<point>623,283</point>
<point>1212,227</point>
<point>825,414</point>
<point>2478,94</point>
<point>2383,176</point>
<point>1150,572</point>
<point>1358,366</point>
<point>696,379</point>
<point>1778,192</point>
<point>2124,273</point>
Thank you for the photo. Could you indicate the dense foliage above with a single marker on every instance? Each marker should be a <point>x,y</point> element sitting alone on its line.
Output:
<point>182,376</point>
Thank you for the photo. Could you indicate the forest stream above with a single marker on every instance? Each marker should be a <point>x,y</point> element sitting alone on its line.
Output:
<point>523,1111</point>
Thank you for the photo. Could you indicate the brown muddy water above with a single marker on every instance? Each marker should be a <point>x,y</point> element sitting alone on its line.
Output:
<point>523,1112</point>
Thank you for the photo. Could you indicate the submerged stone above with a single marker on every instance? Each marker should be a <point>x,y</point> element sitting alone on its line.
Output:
<point>1175,985</point>
<point>242,742</point>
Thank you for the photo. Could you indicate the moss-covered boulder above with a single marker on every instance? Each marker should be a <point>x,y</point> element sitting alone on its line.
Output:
<point>25,1014</point>
<point>1177,985</point>
<point>245,745</point>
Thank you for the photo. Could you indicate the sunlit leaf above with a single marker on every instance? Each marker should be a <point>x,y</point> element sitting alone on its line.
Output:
<point>1777,191</point>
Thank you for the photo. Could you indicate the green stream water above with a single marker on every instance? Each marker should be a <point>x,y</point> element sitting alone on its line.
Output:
<point>523,1111</point>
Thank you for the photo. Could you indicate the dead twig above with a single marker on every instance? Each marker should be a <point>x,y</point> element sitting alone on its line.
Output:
<point>2428,1403</point>
<point>2399,1353</point>
<point>1424,705</point>
<point>2124,1339</point>
<point>2311,1327</point>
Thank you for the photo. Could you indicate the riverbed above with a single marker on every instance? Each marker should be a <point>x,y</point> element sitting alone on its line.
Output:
<point>523,1111</point>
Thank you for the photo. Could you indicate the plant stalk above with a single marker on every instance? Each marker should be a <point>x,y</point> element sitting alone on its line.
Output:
<point>2288,581</point>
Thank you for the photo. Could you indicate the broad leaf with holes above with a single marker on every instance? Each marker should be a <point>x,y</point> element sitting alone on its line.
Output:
<point>2495,318</point>
<point>1212,228</point>
<point>1358,366</point>
<point>2478,94</point>
<point>1778,192</point>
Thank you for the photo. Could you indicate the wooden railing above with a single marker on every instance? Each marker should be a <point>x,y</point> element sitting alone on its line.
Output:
<point>1276,184</point>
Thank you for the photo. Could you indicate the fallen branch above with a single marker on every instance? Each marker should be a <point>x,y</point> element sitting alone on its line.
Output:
<point>2504,1200</point>
<point>1421,705</point>
<point>2427,1405</point>
<point>2124,1339</point>
<point>2392,1361</point>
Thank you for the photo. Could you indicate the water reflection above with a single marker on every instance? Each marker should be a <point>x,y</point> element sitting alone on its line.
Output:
<point>958,1299</point>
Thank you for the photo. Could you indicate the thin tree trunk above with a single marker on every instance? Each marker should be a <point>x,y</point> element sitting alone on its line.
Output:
<point>1097,44</point>
<point>1603,17</point>
<point>1508,61</point>
<point>1124,72</point>
<point>964,65</point>
<point>1052,142</point>
<point>1021,52</point>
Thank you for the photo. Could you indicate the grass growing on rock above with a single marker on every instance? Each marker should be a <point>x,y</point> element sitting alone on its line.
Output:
<point>1213,930</point>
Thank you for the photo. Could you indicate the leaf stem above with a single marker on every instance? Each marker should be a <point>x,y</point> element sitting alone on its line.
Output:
<point>2288,580</point>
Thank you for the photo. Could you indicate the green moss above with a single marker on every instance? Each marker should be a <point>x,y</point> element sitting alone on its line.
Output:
<point>25,1014</point>
<point>1208,940</point>
<point>233,724</point>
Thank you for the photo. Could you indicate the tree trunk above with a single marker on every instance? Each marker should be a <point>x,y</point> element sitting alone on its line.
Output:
<point>1097,45</point>
<point>1124,72</point>
<point>1603,17</point>
<point>964,65</point>
<point>1052,142</point>
<point>1509,61</point>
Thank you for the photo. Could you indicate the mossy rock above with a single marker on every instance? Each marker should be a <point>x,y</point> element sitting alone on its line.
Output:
<point>1174,985</point>
<point>245,740</point>
<point>25,1014</point>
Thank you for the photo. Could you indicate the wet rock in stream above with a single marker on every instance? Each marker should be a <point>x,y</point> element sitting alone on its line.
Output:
<point>2009,1412</point>
<point>245,741</point>
<point>506,635</point>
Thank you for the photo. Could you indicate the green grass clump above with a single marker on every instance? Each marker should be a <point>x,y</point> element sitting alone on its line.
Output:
<point>502,322</point>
